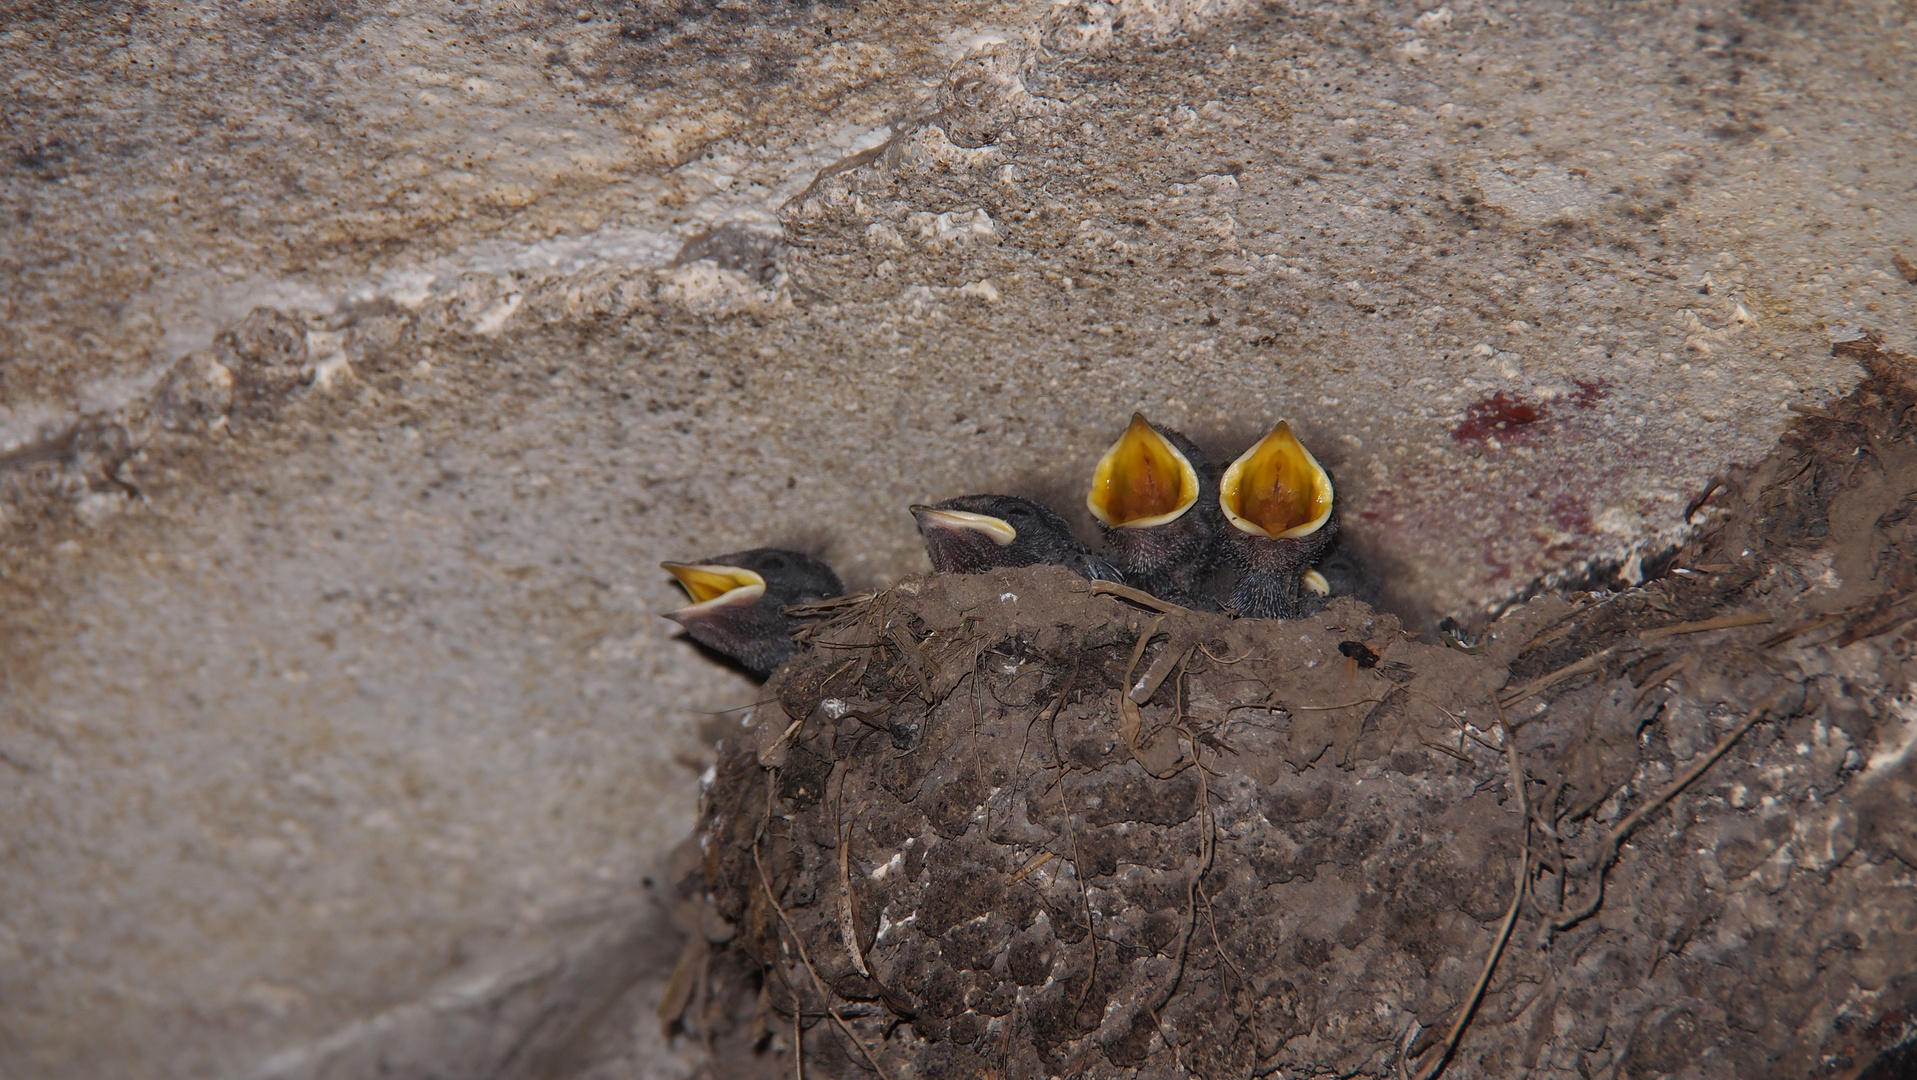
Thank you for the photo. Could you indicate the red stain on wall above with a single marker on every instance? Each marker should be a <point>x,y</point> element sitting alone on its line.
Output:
<point>1589,392</point>
<point>1502,417</point>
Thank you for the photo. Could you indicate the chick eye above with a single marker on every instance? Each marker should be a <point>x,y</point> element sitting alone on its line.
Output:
<point>772,563</point>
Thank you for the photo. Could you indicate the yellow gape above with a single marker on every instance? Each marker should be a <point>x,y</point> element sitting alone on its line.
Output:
<point>1142,480</point>
<point>1276,488</point>
<point>711,585</point>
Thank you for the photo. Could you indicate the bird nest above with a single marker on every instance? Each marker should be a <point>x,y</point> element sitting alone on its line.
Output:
<point>1024,824</point>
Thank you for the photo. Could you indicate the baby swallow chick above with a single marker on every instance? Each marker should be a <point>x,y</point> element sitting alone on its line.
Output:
<point>736,602</point>
<point>975,533</point>
<point>1155,495</point>
<point>1276,500</point>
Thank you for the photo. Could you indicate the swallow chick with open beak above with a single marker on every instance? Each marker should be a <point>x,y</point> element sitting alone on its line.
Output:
<point>1276,501</point>
<point>975,533</point>
<point>1155,495</point>
<point>736,602</point>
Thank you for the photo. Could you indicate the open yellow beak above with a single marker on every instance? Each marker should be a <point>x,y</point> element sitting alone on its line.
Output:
<point>998,529</point>
<point>1276,488</point>
<point>1142,480</point>
<point>712,586</point>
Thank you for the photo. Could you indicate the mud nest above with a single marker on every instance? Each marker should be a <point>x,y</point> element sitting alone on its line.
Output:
<point>1012,825</point>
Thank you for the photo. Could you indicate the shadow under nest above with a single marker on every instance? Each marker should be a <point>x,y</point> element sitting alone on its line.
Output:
<point>1013,824</point>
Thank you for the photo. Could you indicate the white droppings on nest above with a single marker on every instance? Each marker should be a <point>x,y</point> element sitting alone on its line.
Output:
<point>1896,748</point>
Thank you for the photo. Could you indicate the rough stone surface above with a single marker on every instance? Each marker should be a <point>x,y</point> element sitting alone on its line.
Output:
<point>331,686</point>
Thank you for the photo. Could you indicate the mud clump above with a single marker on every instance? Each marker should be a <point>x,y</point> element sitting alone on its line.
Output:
<point>1013,825</point>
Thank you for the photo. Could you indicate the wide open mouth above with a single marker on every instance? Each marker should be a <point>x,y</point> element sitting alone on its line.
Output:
<point>998,529</point>
<point>1143,480</point>
<point>1276,488</point>
<point>713,586</point>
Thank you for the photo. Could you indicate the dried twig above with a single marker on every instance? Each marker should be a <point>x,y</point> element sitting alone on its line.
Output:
<point>1171,657</point>
<point>1722,622</point>
<point>1085,894</point>
<point>914,659</point>
<point>1803,628</point>
<point>835,603</point>
<point>1865,620</point>
<point>1609,851</point>
<point>1886,619</point>
<point>1131,720</point>
<point>836,672</point>
<point>1138,648</point>
<point>1046,716</point>
<point>1332,708</point>
<point>1569,623</point>
<point>1211,916</point>
<point>1270,704</point>
<point>1660,676</point>
<point>778,744</point>
<point>825,994</point>
<point>1136,596</point>
<point>1591,663</point>
<point>685,976</point>
<point>848,915</point>
<point>1031,865</point>
<point>1443,749</point>
<point>1206,851</point>
<point>1510,917</point>
<point>1214,658</point>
